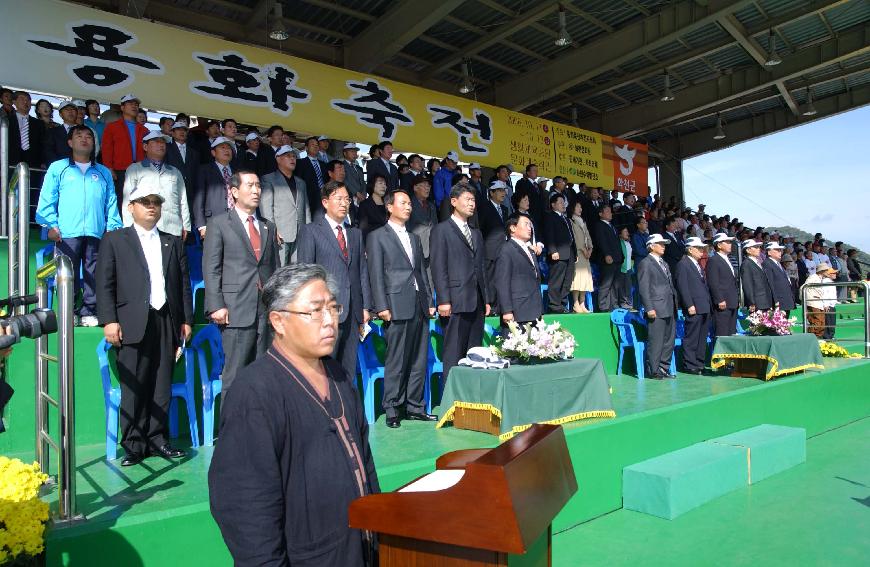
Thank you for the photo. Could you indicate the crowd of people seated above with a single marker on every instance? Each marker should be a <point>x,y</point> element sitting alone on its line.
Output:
<point>251,202</point>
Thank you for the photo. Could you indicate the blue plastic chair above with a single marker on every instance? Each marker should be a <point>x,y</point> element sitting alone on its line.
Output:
<point>112,402</point>
<point>622,319</point>
<point>741,315</point>
<point>371,370</point>
<point>433,362</point>
<point>194,286</point>
<point>209,377</point>
<point>41,255</point>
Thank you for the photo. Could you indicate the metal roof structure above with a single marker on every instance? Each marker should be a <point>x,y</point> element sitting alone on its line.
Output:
<point>610,78</point>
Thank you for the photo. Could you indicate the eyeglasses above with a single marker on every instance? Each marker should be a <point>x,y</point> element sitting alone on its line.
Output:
<point>335,312</point>
<point>149,202</point>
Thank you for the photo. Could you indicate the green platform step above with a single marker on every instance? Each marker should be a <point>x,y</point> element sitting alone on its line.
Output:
<point>674,483</point>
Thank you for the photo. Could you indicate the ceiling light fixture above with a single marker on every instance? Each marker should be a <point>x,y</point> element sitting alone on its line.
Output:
<point>278,33</point>
<point>564,38</point>
<point>667,94</point>
<point>467,84</point>
<point>720,131</point>
<point>810,108</point>
<point>772,57</point>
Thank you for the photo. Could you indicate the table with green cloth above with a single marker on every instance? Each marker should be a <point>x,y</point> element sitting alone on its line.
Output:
<point>784,354</point>
<point>522,395</point>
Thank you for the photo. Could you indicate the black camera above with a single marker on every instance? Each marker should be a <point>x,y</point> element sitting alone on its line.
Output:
<point>28,325</point>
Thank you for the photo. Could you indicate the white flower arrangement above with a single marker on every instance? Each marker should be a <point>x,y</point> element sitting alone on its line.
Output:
<point>539,342</point>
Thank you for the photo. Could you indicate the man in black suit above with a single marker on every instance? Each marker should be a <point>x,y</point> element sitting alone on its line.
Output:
<point>55,145</point>
<point>659,299</point>
<point>145,308</point>
<point>266,162</point>
<point>674,249</point>
<point>383,166</point>
<point>722,282</point>
<point>695,301</point>
<point>757,295</point>
<point>229,129</point>
<point>338,247</point>
<point>423,215</point>
<point>517,280</point>
<point>539,201</point>
<point>26,134</point>
<point>183,157</point>
<point>780,285</point>
<point>607,252</point>
<point>492,217</point>
<point>558,237</point>
<point>313,173</point>
<point>461,291</point>
<point>213,192</point>
<point>239,254</point>
<point>415,169</point>
<point>402,298</point>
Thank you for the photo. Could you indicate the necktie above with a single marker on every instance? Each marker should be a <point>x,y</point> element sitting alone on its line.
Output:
<point>466,232</point>
<point>254,236</point>
<point>154,259</point>
<point>665,268</point>
<point>230,201</point>
<point>158,166</point>
<point>530,256</point>
<point>182,148</point>
<point>342,243</point>
<point>700,271</point>
<point>25,134</point>
<point>317,172</point>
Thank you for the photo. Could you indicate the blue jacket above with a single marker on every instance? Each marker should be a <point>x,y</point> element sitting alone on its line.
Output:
<point>78,204</point>
<point>441,185</point>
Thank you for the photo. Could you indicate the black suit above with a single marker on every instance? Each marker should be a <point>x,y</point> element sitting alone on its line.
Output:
<point>55,145</point>
<point>149,336</point>
<point>401,286</point>
<point>378,167</point>
<point>313,184</point>
<point>673,250</point>
<point>188,166</point>
<point>780,285</point>
<point>210,199</point>
<point>692,292</point>
<point>606,243</point>
<point>34,155</point>
<point>722,282</point>
<point>492,229</point>
<point>518,284</point>
<point>558,236</point>
<point>459,278</point>
<point>538,200</point>
<point>317,243</point>
<point>266,162</point>
<point>756,287</point>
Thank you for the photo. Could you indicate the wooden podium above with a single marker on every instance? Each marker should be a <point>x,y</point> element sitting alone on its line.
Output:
<point>498,513</point>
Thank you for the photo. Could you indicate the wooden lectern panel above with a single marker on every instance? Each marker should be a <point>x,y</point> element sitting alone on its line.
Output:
<point>500,509</point>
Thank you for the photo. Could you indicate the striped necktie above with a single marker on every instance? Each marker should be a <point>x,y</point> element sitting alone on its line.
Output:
<point>25,134</point>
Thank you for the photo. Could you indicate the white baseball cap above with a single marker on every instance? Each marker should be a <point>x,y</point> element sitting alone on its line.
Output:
<point>252,136</point>
<point>285,149</point>
<point>498,185</point>
<point>656,239</point>
<point>322,138</point>
<point>474,165</point>
<point>350,146</point>
<point>155,135</point>
<point>66,103</point>
<point>179,124</point>
<point>774,246</point>
<point>221,140</point>
<point>452,156</point>
<point>722,237</point>
<point>695,242</point>
<point>751,243</point>
<point>128,97</point>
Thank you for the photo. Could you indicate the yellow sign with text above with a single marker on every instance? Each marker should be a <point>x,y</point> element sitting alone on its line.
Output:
<point>80,52</point>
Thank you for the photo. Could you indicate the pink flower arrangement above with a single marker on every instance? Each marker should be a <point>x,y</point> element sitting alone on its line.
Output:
<point>770,322</point>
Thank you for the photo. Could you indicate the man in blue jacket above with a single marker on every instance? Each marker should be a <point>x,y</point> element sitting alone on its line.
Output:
<point>443,181</point>
<point>77,204</point>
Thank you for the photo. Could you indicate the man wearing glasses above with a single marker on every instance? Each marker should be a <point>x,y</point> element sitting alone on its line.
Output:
<point>144,306</point>
<point>238,257</point>
<point>331,242</point>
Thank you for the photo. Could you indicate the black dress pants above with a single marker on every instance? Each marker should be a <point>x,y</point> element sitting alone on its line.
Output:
<point>462,331</point>
<point>405,365</point>
<point>145,374</point>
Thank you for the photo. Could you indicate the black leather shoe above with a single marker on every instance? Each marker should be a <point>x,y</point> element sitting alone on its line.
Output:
<point>421,416</point>
<point>168,452</point>
<point>132,459</point>
<point>695,371</point>
<point>394,422</point>
<point>655,376</point>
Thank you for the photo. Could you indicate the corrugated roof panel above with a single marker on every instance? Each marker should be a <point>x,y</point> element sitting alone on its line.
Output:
<point>672,49</point>
<point>614,12</point>
<point>502,53</point>
<point>749,16</point>
<point>849,14</point>
<point>831,88</point>
<point>804,31</point>
<point>765,105</point>
<point>424,50</point>
<point>705,35</point>
<point>857,60</point>
<point>637,64</point>
<point>858,80</point>
<point>604,101</point>
<point>535,40</point>
<point>633,92</point>
<point>730,57</point>
<point>693,70</point>
<point>776,8</point>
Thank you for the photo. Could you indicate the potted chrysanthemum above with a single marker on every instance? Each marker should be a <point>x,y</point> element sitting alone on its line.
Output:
<point>22,514</point>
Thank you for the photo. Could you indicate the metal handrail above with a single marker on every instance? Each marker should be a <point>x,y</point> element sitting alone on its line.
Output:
<point>858,284</point>
<point>4,173</point>
<point>61,269</point>
<point>19,227</point>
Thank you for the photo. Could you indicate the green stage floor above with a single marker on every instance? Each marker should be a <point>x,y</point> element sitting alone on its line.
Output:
<point>815,514</point>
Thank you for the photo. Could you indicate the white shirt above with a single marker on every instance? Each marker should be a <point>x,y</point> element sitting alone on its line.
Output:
<point>460,223</point>
<point>526,248</point>
<point>405,239</point>
<point>83,166</point>
<point>244,216</point>
<point>387,163</point>
<point>151,246</point>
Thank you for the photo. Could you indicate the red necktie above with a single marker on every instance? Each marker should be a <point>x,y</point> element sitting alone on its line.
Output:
<point>255,237</point>
<point>342,243</point>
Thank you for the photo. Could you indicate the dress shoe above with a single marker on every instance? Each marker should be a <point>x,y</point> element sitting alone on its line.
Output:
<point>695,371</point>
<point>394,422</point>
<point>655,376</point>
<point>132,459</point>
<point>168,452</point>
<point>669,375</point>
<point>421,416</point>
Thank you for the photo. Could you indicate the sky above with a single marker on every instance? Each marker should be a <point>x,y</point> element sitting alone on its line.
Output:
<point>815,177</point>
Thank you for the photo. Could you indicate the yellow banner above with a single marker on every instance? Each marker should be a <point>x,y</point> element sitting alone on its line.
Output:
<point>81,52</point>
